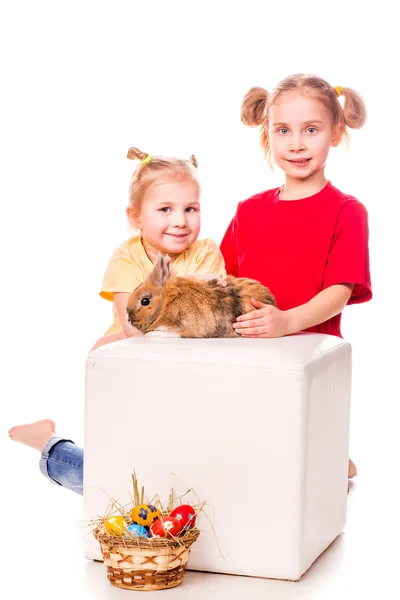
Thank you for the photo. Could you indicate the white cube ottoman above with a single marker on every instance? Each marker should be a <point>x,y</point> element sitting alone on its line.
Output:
<point>259,429</point>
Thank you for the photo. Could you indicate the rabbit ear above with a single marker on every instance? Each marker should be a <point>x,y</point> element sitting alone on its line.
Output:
<point>160,272</point>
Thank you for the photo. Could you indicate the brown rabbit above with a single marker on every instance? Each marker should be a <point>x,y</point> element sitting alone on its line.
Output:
<point>165,306</point>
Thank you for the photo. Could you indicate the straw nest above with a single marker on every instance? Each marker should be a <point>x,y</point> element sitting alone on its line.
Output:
<point>140,563</point>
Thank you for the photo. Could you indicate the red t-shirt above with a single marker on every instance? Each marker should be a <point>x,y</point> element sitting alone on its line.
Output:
<point>297,248</point>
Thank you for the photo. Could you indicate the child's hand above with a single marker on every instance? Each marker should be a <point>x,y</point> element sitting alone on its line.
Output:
<point>209,277</point>
<point>266,322</point>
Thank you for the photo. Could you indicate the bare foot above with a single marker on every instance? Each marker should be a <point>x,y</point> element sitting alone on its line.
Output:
<point>36,435</point>
<point>352,469</point>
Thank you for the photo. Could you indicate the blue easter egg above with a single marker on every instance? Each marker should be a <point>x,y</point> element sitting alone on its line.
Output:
<point>138,530</point>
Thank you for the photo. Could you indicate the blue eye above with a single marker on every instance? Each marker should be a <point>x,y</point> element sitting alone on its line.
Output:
<point>283,130</point>
<point>145,301</point>
<point>312,129</point>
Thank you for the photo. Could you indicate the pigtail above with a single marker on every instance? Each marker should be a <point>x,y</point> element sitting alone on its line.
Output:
<point>136,154</point>
<point>193,161</point>
<point>253,109</point>
<point>354,109</point>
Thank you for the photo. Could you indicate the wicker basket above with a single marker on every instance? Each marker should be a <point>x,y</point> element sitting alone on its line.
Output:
<point>146,563</point>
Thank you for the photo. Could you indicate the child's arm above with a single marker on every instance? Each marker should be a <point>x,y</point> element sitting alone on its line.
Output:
<point>325,305</point>
<point>269,321</point>
<point>120,301</point>
<point>108,339</point>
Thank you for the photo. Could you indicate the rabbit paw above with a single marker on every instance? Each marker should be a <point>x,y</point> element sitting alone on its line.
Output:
<point>162,332</point>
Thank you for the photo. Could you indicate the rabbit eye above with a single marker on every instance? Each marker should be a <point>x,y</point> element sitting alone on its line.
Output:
<point>145,301</point>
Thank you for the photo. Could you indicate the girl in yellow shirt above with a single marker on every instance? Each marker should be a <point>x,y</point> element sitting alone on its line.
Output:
<point>164,206</point>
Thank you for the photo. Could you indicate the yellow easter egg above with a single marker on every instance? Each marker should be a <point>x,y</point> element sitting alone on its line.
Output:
<point>145,514</point>
<point>116,525</point>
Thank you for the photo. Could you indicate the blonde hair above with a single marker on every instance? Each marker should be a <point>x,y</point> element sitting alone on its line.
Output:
<point>153,169</point>
<point>257,102</point>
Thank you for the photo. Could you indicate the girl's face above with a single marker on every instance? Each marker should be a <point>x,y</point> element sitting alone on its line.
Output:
<point>169,217</point>
<point>301,134</point>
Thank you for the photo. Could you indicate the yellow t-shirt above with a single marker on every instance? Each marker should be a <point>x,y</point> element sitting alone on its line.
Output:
<point>129,266</point>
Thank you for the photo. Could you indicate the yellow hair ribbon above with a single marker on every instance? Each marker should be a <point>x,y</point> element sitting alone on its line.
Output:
<point>146,160</point>
<point>339,90</point>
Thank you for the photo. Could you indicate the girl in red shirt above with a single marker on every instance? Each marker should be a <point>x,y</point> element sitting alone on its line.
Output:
<point>306,241</point>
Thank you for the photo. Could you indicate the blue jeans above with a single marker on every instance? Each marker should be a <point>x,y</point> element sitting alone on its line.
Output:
<point>62,463</point>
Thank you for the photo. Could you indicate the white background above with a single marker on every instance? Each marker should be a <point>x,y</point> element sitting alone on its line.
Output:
<point>83,81</point>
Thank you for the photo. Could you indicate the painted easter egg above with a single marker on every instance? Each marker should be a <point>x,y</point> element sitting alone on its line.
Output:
<point>116,525</point>
<point>186,516</point>
<point>165,526</point>
<point>145,514</point>
<point>138,530</point>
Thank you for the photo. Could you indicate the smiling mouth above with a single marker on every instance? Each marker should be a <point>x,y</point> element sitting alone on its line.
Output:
<point>299,161</point>
<point>180,235</point>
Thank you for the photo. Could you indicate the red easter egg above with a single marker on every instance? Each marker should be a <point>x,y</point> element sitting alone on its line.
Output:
<point>186,516</point>
<point>165,526</point>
